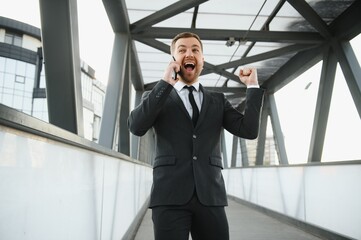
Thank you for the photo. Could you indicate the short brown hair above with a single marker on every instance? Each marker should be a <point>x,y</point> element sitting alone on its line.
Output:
<point>185,35</point>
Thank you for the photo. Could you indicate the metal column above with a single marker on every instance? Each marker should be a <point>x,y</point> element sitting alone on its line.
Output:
<point>262,132</point>
<point>322,106</point>
<point>59,24</point>
<point>114,91</point>
<point>351,70</point>
<point>124,134</point>
<point>277,131</point>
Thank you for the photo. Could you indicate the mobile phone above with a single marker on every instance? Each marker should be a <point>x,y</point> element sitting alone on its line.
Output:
<point>174,72</point>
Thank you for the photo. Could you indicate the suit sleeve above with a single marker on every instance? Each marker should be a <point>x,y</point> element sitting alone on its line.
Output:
<point>142,118</point>
<point>244,125</point>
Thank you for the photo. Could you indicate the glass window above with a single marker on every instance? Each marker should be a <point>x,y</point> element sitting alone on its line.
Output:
<point>8,99</point>
<point>342,140</point>
<point>10,66</point>
<point>20,68</point>
<point>9,81</point>
<point>14,39</point>
<point>30,70</point>
<point>29,84</point>
<point>1,80</point>
<point>18,41</point>
<point>299,96</point>
<point>8,38</point>
<point>19,79</point>
<point>2,64</point>
<point>27,103</point>
<point>18,102</point>
<point>40,109</point>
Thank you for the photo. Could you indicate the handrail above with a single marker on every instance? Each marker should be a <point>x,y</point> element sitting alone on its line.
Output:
<point>15,119</point>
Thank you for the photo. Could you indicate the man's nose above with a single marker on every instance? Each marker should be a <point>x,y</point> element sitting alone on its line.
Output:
<point>189,53</point>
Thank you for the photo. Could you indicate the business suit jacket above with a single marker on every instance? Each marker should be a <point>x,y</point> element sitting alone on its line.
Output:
<point>188,158</point>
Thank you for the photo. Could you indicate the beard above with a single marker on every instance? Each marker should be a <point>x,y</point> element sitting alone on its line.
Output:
<point>189,77</point>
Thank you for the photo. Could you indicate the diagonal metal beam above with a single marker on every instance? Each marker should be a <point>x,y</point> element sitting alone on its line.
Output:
<point>351,70</point>
<point>311,16</point>
<point>297,65</point>
<point>277,130</point>
<point>261,56</point>
<point>322,106</point>
<point>118,15</point>
<point>59,21</point>
<point>223,35</point>
<point>165,13</point>
<point>136,75</point>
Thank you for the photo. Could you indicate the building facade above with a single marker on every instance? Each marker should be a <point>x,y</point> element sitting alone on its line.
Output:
<point>23,83</point>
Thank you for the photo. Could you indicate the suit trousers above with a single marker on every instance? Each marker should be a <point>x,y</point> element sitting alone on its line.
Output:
<point>203,222</point>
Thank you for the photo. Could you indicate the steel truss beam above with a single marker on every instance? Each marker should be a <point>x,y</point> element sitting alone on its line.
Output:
<point>223,35</point>
<point>322,106</point>
<point>165,13</point>
<point>351,70</point>
<point>59,21</point>
<point>277,131</point>
<point>114,93</point>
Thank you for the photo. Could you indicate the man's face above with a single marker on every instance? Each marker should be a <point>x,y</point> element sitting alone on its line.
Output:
<point>188,52</point>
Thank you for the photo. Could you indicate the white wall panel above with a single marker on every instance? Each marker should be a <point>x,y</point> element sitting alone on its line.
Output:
<point>51,190</point>
<point>327,196</point>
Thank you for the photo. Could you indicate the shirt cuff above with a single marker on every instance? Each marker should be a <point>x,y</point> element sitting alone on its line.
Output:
<point>253,86</point>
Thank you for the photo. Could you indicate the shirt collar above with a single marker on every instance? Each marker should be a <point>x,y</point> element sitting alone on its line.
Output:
<point>179,85</point>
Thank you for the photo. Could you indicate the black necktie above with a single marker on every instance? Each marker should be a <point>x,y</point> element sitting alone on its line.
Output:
<point>193,103</point>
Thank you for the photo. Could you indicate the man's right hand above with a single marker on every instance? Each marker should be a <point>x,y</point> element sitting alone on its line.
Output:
<point>169,72</point>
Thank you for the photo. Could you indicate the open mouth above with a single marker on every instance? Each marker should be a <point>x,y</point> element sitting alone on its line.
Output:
<point>188,66</point>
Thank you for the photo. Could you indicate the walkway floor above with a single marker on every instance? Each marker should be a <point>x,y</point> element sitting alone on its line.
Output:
<point>244,223</point>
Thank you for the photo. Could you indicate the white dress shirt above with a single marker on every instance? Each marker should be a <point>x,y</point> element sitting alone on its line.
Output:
<point>183,94</point>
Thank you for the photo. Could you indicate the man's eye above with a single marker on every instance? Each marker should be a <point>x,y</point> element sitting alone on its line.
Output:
<point>181,50</point>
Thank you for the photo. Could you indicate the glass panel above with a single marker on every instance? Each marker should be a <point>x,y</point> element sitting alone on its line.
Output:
<point>10,66</point>
<point>8,39</point>
<point>18,102</point>
<point>9,81</point>
<point>329,10</point>
<point>270,153</point>
<point>343,132</point>
<point>288,19</point>
<point>19,79</point>
<point>40,109</point>
<point>297,97</point>
<point>20,68</point>
<point>18,41</point>
<point>27,103</point>
<point>139,8</point>
<point>8,100</point>
<point>2,64</point>
<point>30,70</point>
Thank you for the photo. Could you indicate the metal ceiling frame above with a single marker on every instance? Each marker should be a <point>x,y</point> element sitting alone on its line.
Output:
<point>307,49</point>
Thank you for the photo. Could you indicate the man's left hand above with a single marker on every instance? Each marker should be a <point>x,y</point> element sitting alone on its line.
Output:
<point>248,76</point>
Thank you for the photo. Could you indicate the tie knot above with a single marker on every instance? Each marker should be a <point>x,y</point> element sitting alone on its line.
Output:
<point>189,88</point>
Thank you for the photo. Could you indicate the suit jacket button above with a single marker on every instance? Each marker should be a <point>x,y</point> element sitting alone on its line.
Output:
<point>194,136</point>
<point>194,158</point>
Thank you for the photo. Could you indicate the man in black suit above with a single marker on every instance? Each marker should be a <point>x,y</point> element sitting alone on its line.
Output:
<point>188,193</point>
